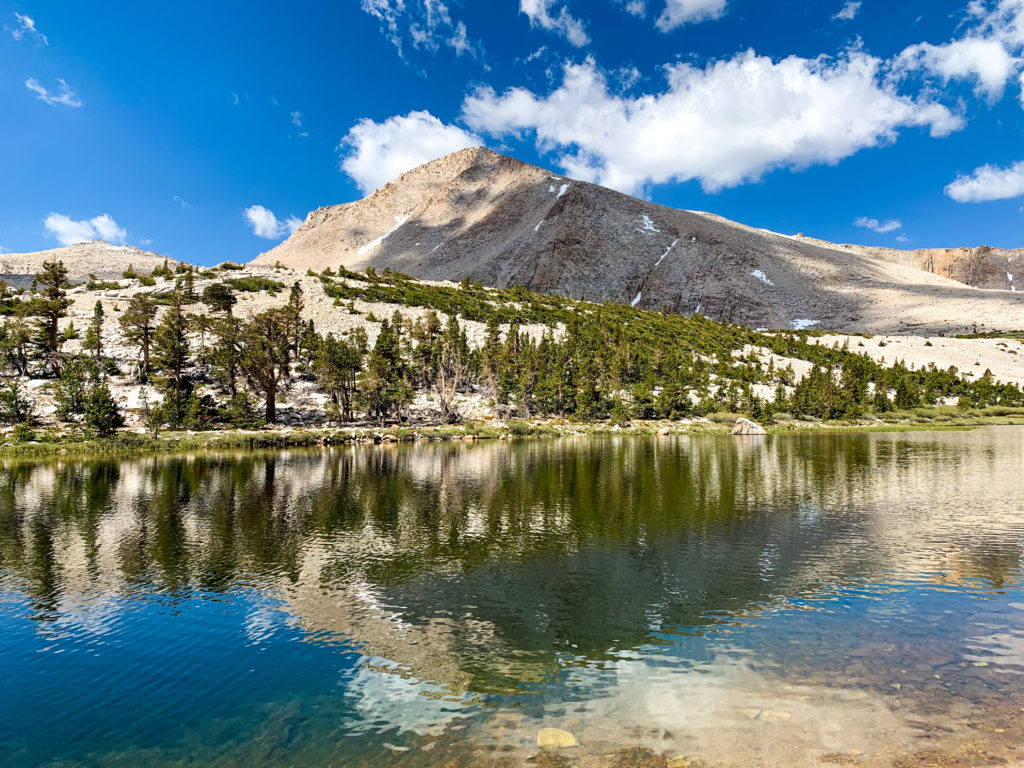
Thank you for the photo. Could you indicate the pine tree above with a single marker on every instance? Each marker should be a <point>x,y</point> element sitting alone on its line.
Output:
<point>491,355</point>
<point>264,354</point>
<point>15,338</point>
<point>70,394</point>
<point>94,335</point>
<point>171,357</point>
<point>50,307</point>
<point>137,325</point>
<point>15,408</point>
<point>451,367</point>
<point>219,297</point>
<point>102,415</point>
<point>337,364</point>
<point>294,317</point>
<point>385,386</point>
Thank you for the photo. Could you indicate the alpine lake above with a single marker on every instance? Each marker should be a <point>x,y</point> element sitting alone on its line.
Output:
<point>850,599</point>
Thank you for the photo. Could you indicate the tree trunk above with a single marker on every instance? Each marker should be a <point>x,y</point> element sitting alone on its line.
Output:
<point>272,402</point>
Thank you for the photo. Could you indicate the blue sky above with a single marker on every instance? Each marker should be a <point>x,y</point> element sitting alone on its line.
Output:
<point>205,131</point>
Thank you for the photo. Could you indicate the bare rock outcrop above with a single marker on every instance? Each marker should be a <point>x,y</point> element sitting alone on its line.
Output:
<point>98,257</point>
<point>746,427</point>
<point>981,267</point>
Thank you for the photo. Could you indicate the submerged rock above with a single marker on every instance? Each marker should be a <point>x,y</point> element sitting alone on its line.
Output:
<point>747,427</point>
<point>555,738</point>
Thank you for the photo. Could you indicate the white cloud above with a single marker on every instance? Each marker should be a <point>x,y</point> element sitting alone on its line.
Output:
<point>730,122</point>
<point>427,23</point>
<point>296,119</point>
<point>26,29</point>
<point>184,203</point>
<point>375,153</point>
<point>459,41</point>
<point>878,226</point>
<point>562,22</point>
<point>985,61</point>
<point>265,224</point>
<point>636,7</point>
<point>65,96</point>
<point>988,183</point>
<point>68,231</point>
<point>849,11</point>
<point>679,12</point>
<point>989,53</point>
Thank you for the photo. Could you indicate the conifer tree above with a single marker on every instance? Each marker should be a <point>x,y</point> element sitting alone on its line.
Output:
<point>219,297</point>
<point>294,318</point>
<point>103,417</point>
<point>264,354</point>
<point>385,386</point>
<point>171,357</point>
<point>94,334</point>
<point>337,364</point>
<point>137,325</point>
<point>50,307</point>
<point>450,367</point>
<point>70,394</point>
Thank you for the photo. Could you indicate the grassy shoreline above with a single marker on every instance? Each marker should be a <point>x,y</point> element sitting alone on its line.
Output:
<point>128,443</point>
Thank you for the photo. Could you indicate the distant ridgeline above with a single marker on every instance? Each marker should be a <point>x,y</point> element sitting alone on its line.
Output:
<point>534,355</point>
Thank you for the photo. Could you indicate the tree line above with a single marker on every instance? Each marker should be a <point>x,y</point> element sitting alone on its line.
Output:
<point>217,368</point>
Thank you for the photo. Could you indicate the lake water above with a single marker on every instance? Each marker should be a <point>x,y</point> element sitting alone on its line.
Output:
<point>849,599</point>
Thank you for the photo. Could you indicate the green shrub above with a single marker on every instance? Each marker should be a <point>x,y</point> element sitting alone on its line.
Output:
<point>255,284</point>
<point>240,412</point>
<point>103,417</point>
<point>520,428</point>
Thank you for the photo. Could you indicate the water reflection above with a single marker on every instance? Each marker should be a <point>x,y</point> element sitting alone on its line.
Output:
<point>684,595</point>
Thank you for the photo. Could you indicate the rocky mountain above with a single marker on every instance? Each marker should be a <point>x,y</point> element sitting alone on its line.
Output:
<point>98,257</point>
<point>982,267</point>
<point>479,215</point>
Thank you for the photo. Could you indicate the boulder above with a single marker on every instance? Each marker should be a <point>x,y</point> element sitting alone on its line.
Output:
<point>747,427</point>
<point>555,738</point>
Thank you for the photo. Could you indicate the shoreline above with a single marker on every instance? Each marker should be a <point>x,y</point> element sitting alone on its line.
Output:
<point>174,442</point>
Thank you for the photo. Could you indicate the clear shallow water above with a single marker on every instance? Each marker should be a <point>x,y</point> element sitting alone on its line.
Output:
<point>805,600</point>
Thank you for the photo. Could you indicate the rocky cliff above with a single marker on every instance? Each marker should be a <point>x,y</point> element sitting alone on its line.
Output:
<point>981,267</point>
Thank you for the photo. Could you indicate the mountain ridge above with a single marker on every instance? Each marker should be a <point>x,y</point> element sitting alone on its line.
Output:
<point>486,217</point>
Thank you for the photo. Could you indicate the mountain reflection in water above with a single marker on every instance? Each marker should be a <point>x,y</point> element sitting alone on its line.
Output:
<point>742,601</point>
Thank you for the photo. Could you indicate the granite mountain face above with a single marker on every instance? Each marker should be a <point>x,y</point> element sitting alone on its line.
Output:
<point>479,215</point>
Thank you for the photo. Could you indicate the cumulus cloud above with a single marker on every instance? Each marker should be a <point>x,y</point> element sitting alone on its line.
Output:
<point>636,7</point>
<point>428,24</point>
<point>727,123</point>
<point>64,96</point>
<point>375,153</point>
<point>265,224</point>
<point>988,183</point>
<point>878,226</point>
<point>849,11</point>
<point>25,29</point>
<point>68,231</point>
<point>679,12</point>
<point>296,119</point>
<point>985,61</point>
<point>561,21</point>
<point>989,52</point>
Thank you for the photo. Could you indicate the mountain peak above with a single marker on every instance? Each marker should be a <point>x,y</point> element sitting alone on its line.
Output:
<point>480,215</point>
